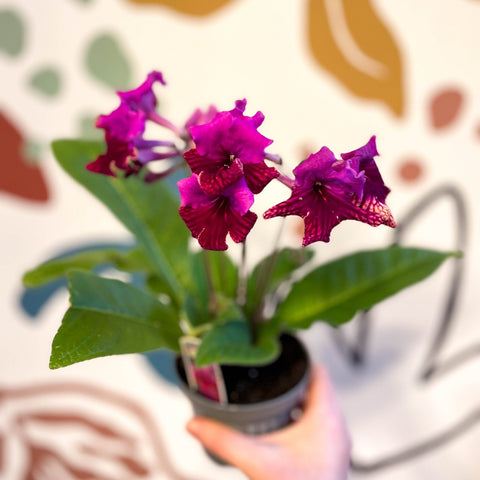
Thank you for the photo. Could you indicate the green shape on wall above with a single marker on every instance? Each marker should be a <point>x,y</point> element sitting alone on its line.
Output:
<point>46,81</point>
<point>12,33</point>
<point>87,129</point>
<point>107,63</point>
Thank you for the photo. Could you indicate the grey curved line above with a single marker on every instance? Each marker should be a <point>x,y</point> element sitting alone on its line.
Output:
<point>422,448</point>
<point>430,368</point>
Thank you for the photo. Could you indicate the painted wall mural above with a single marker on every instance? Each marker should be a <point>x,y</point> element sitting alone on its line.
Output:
<point>328,71</point>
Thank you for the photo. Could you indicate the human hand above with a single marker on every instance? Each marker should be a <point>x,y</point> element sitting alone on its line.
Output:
<point>317,447</point>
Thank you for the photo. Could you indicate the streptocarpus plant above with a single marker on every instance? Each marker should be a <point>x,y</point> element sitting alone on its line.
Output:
<point>221,159</point>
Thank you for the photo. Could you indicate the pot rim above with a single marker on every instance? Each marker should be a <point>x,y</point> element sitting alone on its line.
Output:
<point>247,407</point>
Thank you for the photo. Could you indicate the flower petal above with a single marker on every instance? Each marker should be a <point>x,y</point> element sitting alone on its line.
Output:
<point>258,175</point>
<point>215,183</point>
<point>374,185</point>
<point>143,98</point>
<point>191,194</point>
<point>240,196</point>
<point>205,227</point>
<point>239,226</point>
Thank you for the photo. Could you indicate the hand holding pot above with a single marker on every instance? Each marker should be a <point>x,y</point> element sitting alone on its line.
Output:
<point>316,447</point>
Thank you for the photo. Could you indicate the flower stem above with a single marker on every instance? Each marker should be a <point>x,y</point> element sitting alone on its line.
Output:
<point>212,296</point>
<point>242,277</point>
<point>265,277</point>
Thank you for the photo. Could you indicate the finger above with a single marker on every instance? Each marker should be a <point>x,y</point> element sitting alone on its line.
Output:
<point>320,395</point>
<point>232,446</point>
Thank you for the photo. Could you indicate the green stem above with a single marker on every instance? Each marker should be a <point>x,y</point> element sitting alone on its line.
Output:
<point>264,280</point>
<point>242,277</point>
<point>212,296</point>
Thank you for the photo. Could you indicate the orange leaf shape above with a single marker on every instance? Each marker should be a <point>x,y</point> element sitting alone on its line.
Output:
<point>349,40</point>
<point>189,7</point>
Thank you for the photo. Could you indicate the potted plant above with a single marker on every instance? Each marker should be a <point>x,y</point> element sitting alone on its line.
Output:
<point>234,327</point>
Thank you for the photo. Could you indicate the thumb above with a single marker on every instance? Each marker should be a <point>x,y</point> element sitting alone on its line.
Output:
<point>232,446</point>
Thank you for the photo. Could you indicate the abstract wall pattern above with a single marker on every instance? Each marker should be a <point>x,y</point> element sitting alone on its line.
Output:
<point>407,372</point>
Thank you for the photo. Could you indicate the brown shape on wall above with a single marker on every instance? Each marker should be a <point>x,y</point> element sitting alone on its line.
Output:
<point>411,169</point>
<point>349,39</point>
<point>19,176</point>
<point>445,107</point>
<point>80,432</point>
<point>189,7</point>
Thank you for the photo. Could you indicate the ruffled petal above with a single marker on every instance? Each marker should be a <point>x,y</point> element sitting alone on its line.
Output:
<point>211,218</point>
<point>372,211</point>
<point>207,225</point>
<point>364,157</point>
<point>143,98</point>
<point>215,183</point>
<point>122,123</point>
<point>119,156</point>
<point>258,175</point>
<point>239,226</point>
<point>191,194</point>
<point>210,136</point>
<point>240,196</point>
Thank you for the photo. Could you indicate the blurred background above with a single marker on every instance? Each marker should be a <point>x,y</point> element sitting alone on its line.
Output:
<point>324,72</point>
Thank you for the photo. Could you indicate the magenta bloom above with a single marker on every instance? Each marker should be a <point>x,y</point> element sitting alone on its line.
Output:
<point>143,98</point>
<point>363,158</point>
<point>230,147</point>
<point>127,150</point>
<point>199,117</point>
<point>327,191</point>
<point>211,217</point>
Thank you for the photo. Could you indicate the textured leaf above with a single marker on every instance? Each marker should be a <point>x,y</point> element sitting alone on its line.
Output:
<point>335,291</point>
<point>109,317</point>
<point>149,211</point>
<point>231,344</point>
<point>88,260</point>
<point>351,42</point>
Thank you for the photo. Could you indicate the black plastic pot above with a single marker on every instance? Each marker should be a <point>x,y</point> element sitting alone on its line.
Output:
<point>261,399</point>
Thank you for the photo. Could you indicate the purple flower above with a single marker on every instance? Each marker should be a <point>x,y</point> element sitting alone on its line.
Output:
<point>127,150</point>
<point>199,117</point>
<point>363,156</point>
<point>143,98</point>
<point>211,217</point>
<point>122,127</point>
<point>327,191</point>
<point>229,147</point>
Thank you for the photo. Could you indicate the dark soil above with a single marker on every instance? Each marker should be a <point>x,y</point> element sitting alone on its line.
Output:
<point>256,384</point>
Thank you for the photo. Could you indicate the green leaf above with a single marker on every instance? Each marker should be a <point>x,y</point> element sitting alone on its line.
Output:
<point>109,317</point>
<point>231,343</point>
<point>271,271</point>
<point>200,306</point>
<point>59,267</point>
<point>335,291</point>
<point>149,211</point>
